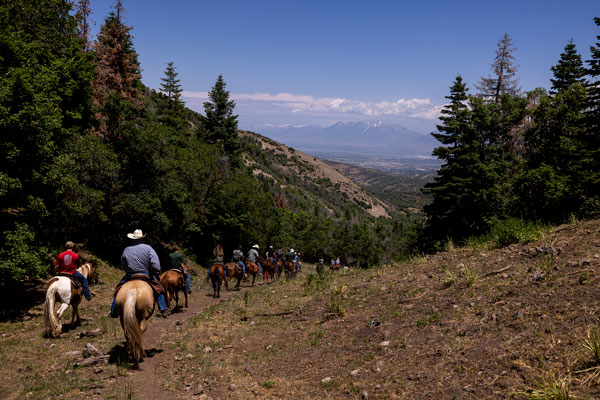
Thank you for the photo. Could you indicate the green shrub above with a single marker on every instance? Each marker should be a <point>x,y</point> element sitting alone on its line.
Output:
<point>514,230</point>
<point>21,257</point>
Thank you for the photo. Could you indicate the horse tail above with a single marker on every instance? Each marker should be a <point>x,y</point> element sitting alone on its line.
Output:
<point>51,321</point>
<point>131,327</point>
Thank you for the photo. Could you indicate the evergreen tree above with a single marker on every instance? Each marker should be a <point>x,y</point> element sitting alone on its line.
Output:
<point>219,125</point>
<point>568,71</point>
<point>82,13</point>
<point>592,122</point>
<point>118,73</point>
<point>44,109</point>
<point>556,159</point>
<point>462,191</point>
<point>170,84</point>
<point>504,70</point>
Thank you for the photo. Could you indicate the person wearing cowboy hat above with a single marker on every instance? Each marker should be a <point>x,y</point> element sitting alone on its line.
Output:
<point>253,256</point>
<point>140,258</point>
<point>68,261</point>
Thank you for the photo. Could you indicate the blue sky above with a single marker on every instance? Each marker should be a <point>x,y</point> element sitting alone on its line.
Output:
<point>318,62</point>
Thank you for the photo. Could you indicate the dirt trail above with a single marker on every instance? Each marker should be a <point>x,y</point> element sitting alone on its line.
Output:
<point>146,382</point>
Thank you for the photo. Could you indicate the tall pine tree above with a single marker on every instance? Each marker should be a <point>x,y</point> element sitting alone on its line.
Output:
<point>592,123</point>
<point>170,84</point>
<point>461,191</point>
<point>118,74</point>
<point>219,125</point>
<point>568,71</point>
<point>504,70</point>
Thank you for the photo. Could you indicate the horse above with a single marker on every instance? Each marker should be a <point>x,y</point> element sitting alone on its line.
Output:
<point>216,276</point>
<point>135,305</point>
<point>289,268</point>
<point>233,271</point>
<point>60,289</point>
<point>268,267</point>
<point>252,269</point>
<point>173,281</point>
<point>280,266</point>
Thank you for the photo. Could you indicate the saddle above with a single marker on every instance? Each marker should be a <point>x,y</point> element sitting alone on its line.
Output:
<point>178,271</point>
<point>74,281</point>
<point>157,288</point>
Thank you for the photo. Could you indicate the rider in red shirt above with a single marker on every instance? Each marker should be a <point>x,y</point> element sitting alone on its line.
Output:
<point>68,261</point>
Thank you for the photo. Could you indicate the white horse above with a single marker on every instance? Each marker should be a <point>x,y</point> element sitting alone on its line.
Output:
<point>59,289</point>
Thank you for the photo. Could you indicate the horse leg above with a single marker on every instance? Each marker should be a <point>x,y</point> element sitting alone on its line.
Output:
<point>185,293</point>
<point>75,320</point>
<point>144,325</point>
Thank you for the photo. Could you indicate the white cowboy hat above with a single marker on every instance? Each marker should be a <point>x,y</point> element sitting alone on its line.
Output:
<point>137,234</point>
<point>291,250</point>
<point>255,247</point>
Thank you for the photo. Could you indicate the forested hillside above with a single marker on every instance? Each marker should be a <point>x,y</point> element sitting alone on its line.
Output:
<point>90,153</point>
<point>510,156</point>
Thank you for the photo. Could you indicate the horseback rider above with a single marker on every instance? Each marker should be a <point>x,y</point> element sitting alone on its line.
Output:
<point>279,253</point>
<point>67,262</point>
<point>297,261</point>
<point>291,256</point>
<point>320,266</point>
<point>238,257</point>
<point>253,256</point>
<point>218,254</point>
<point>140,258</point>
<point>178,263</point>
<point>271,255</point>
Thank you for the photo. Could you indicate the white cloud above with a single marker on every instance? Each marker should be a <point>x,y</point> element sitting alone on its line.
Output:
<point>405,108</point>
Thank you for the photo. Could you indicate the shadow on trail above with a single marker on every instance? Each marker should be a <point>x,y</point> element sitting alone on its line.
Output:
<point>118,355</point>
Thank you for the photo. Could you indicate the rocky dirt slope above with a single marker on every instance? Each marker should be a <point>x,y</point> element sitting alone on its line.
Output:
<point>470,323</point>
<point>312,169</point>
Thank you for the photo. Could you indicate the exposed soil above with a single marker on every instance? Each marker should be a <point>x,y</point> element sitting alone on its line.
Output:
<point>470,323</point>
<point>320,169</point>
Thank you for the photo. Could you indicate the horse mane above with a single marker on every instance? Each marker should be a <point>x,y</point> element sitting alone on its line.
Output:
<point>218,251</point>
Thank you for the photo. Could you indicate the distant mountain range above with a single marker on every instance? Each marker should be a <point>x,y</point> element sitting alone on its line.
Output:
<point>366,137</point>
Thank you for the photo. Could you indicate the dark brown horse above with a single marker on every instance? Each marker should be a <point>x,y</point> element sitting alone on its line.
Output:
<point>217,277</point>
<point>280,265</point>
<point>234,270</point>
<point>174,281</point>
<point>268,267</point>
<point>252,269</point>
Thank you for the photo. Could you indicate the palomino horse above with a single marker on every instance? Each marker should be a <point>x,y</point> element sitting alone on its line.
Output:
<point>60,289</point>
<point>173,281</point>
<point>216,276</point>
<point>252,269</point>
<point>233,271</point>
<point>268,267</point>
<point>135,305</point>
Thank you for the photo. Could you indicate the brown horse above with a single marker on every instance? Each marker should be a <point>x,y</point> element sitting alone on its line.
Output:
<point>252,269</point>
<point>61,289</point>
<point>216,277</point>
<point>135,305</point>
<point>173,281</point>
<point>280,265</point>
<point>268,267</point>
<point>289,268</point>
<point>233,271</point>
